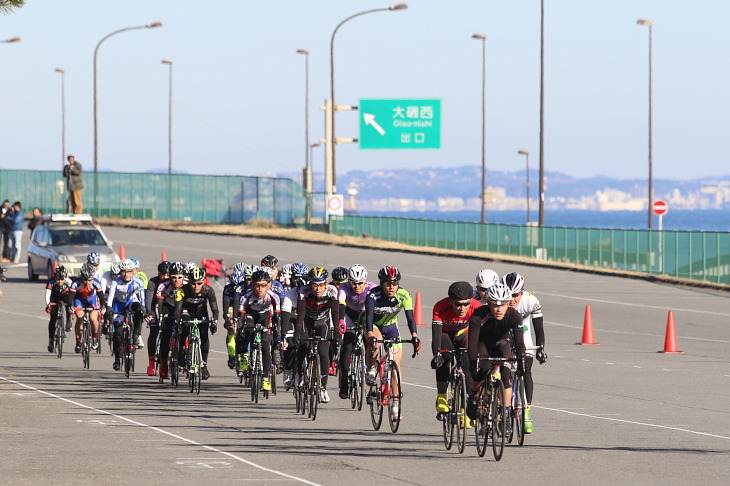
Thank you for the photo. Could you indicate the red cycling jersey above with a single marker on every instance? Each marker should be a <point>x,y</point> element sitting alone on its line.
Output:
<point>444,315</point>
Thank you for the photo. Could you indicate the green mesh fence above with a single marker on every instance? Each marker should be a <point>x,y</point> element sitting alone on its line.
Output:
<point>696,255</point>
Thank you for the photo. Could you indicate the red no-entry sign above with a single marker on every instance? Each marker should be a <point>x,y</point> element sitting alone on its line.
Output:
<point>660,208</point>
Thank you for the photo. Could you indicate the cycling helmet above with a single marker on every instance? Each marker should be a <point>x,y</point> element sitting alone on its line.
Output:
<point>286,271</point>
<point>197,274</point>
<point>268,270</point>
<point>163,267</point>
<point>486,278</point>
<point>126,265</point>
<point>135,262</point>
<point>61,273</point>
<point>261,275</point>
<point>239,266</point>
<point>189,267</point>
<point>514,281</point>
<point>94,258</point>
<point>87,271</point>
<point>499,294</point>
<point>339,274</point>
<point>237,277</point>
<point>318,274</point>
<point>249,270</point>
<point>177,268</point>
<point>357,274</point>
<point>115,268</point>
<point>460,291</point>
<point>270,261</point>
<point>389,274</point>
<point>299,269</point>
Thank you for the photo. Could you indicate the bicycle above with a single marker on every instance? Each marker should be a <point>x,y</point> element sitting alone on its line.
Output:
<point>126,341</point>
<point>59,335</point>
<point>312,379</point>
<point>194,356</point>
<point>387,380</point>
<point>519,405</point>
<point>109,326</point>
<point>455,420</point>
<point>490,422</point>
<point>356,372</point>
<point>86,337</point>
<point>255,365</point>
<point>175,352</point>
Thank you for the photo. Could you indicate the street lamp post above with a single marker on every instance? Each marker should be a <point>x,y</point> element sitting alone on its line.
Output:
<point>149,25</point>
<point>541,182</point>
<point>483,38</point>
<point>650,24</point>
<point>330,150</point>
<point>527,173</point>
<point>307,176</point>
<point>63,114</point>
<point>169,119</point>
<point>10,40</point>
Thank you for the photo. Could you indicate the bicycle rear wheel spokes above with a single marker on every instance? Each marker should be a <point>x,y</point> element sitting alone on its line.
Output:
<point>376,405</point>
<point>394,401</point>
<point>519,411</point>
<point>460,412</point>
<point>482,424</point>
<point>496,411</point>
<point>314,386</point>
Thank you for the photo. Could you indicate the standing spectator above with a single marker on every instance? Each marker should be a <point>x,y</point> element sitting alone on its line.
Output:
<point>5,227</point>
<point>75,184</point>
<point>36,219</point>
<point>16,218</point>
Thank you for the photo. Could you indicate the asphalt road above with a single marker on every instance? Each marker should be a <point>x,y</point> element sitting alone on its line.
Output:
<point>618,413</point>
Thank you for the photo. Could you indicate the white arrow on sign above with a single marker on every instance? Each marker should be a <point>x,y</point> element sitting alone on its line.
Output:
<point>370,120</point>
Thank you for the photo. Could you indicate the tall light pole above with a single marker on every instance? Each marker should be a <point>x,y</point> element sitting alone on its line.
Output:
<point>527,173</point>
<point>10,40</point>
<point>307,175</point>
<point>149,25</point>
<point>169,120</point>
<point>330,149</point>
<point>63,114</point>
<point>650,24</point>
<point>541,182</point>
<point>483,38</point>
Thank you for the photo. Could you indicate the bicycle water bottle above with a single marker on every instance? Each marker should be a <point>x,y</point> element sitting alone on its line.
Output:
<point>497,372</point>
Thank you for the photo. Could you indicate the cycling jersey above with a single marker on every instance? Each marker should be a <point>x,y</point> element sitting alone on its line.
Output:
<point>264,310</point>
<point>166,297</point>
<point>485,329</point>
<point>194,303</point>
<point>149,294</point>
<point>122,294</point>
<point>85,294</point>
<point>316,308</point>
<point>445,321</point>
<point>56,293</point>
<point>531,312</point>
<point>382,311</point>
<point>352,304</point>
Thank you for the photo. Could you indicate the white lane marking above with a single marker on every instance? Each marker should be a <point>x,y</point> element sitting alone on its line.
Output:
<point>667,427</point>
<point>203,463</point>
<point>157,429</point>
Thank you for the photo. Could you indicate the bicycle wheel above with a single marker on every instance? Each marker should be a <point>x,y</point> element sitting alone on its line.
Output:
<point>272,380</point>
<point>314,386</point>
<point>519,411</point>
<point>496,412</point>
<point>192,372</point>
<point>88,340</point>
<point>394,412</point>
<point>126,352</point>
<point>460,412</point>
<point>174,371</point>
<point>360,379</point>
<point>132,352</point>
<point>482,424</point>
<point>59,338</point>
<point>374,398</point>
<point>447,419</point>
<point>352,379</point>
<point>301,386</point>
<point>253,366</point>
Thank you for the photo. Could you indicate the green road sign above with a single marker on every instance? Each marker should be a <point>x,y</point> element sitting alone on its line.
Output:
<point>400,124</point>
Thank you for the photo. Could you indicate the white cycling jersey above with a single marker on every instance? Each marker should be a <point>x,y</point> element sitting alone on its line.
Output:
<point>529,307</point>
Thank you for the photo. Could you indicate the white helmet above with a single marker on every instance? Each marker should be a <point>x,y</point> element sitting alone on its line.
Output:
<point>126,265</point>
<point>286,272</point>
<point>499,294</point>
<point>486,278</point>
<point>239,266</point>
<point>357,274</point>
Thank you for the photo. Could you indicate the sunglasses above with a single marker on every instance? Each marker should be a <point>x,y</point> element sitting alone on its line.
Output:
<point>461,304</point>
<point>357,283</point>
<point>196,283</point>
<point>318,285</point>
<point>177,277</point>
<point>260,285</point>
<point>514,296</point>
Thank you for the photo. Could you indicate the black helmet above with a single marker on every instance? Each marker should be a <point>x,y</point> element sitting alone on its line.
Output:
<point>177,268</point>
<point>339,274</point>
<point>87,271</point>
<point>197,274</point>
<point>61,273</point>
<point>163,267</point>
<point>260,276</point>
<point>389,274</point>
<point>318,274</point>
<point>461,291</point>
<point>269,261</point>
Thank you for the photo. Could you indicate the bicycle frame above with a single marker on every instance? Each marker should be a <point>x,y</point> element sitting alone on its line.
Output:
<point>194,356</point>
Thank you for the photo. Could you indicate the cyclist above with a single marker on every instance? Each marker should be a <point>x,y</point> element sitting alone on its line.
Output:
<point>485,279</point>
<point>57,291</point>
<point>126,292</point>
<point>285,277</point>
<point>288,321</point>
<point>382,305</point>
<point>317,308</point>
<point>167,295</point>
<point>529,308</point>
<point>270,261</point>
<point>339,277</point>
<point>195,295</point>
<point>352,295</point>
<point>449,331</point>
<point>163,274</point>
<point>248,271</point>
<point>139,274</point>
<point>106,280</point>
<point>232,292</point>
<point>95,259</point>
<point>86,292</point>
<point>489,336</point>
<point>260,305</point>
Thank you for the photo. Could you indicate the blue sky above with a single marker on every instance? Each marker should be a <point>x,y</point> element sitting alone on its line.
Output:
<point>238,83</point>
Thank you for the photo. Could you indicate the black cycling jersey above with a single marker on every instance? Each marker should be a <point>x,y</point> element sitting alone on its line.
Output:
<point>483,327</point>
<point>149,293</point>
<point>195,302</point>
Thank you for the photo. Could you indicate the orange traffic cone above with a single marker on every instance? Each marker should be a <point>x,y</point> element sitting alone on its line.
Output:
<point>418,312</point>
<point>588,338</point>
<point>122,256</point>
<point>164,256</point>
<point>670,341</point>
<point>55,265</point>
